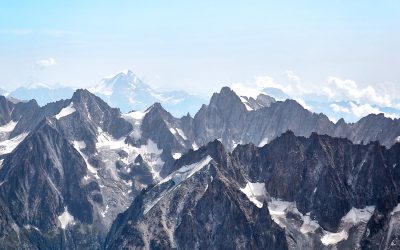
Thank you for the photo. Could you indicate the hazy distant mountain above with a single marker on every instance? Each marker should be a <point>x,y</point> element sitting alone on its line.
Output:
<point>3,92</point>
<point>123,90</point>
<point>127,92</point>
<point>42,93</point>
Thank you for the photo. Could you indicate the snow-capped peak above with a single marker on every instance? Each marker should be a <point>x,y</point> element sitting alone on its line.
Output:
<point>126,72</point>
<point>124,80</point>
<point>38,85</point>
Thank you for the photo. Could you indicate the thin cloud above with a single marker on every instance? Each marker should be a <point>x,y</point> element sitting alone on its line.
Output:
<point>339,109</point>
<point>45,63</point>
<point>45,32</point>
<point>366,109</point>
<point>342,90</point>
<point>361,101</point>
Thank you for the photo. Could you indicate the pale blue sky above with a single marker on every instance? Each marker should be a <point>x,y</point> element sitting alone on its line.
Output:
<point>200,45</point>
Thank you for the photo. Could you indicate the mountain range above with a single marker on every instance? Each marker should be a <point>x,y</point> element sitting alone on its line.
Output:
<point>241,173</point>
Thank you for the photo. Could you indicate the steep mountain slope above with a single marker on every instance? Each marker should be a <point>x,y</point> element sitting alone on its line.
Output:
<point>229,118</point>
<point>85,133</point>
<point>44,190</point>
<point>326,192</point>
<point>196,206</point>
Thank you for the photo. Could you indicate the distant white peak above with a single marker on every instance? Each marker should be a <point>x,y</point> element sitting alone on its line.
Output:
<point>125,78</point>
<point>126,72</point>
<point>4,92</point>
<point>39,85</point>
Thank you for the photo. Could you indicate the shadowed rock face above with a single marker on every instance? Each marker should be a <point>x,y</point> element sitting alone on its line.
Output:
<point>221,219</point>
<point>226,118</point>
<point>42,179</point>
<point>207,211</point>
<point>10,111</point>
<point>324,176</point>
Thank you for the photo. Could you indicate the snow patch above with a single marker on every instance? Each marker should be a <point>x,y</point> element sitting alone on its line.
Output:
<point>29,227</point>
<point>246,103</point>
<point>357,215</point>
<point>235,143</point>
<point>9,127</point>
<point>135,118</point>
<point>152,204</point>
<point>105,140</point>
<point>263,142</point>
<point>334,238</point>
<point>176,155</point>
<point>135,115</point>
<point>353,217</point>
<point>186,171</point>
<point>108,148</point>
<point>180,132</point>
<point>177,177</point>
<point>66,219</point>
<point>278,208</point>
<point>8,146</point>
<point>66,111</point>
<point>309,225</point>
<point>103,214</point>
<point>151,154</point>
<point>79,145</point>
<point>396,209</point>
<point>255,192</point>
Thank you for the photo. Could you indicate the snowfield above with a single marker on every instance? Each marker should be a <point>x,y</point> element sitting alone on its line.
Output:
<point>66,111</point>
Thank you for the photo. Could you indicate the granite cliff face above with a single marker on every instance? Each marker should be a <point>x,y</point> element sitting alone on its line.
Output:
<point>231,119</point>
<point>44,190</point>
<point>197,206</point>
<point>324,192</point>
